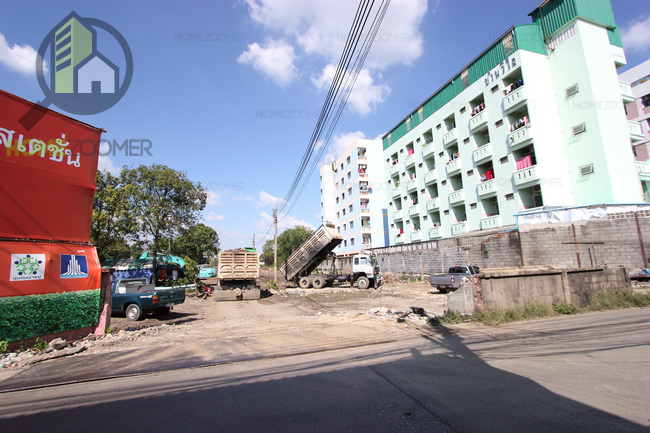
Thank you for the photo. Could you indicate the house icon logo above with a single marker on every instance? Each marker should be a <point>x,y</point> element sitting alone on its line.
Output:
<point>82,79</point>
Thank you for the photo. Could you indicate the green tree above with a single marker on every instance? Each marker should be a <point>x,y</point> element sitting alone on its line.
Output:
<point>197,242</point>
<point>163,201</point>
<point>289,240</point>
<point>267,253</point>
<point>112,225</point>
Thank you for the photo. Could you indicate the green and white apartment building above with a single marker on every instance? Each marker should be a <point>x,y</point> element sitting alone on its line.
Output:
<point>536,120</point>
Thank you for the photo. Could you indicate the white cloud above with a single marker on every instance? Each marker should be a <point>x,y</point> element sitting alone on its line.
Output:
<point>214,198</point>
<point>320,29</point>
<point>342,141</point>
<point>267,200</point>
<point>105,163</point>
<point>284,222</point>
<point>19,58</point>
<point>275,60</point>
<point>636,35</point>
<point>212,216</point>
<point>365,96</point>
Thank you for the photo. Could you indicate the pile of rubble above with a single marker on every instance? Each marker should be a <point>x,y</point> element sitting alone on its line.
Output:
<point>415,314</point>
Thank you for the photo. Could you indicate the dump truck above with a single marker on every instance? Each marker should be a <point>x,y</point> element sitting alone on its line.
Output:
<point>237,273</point>
<point>303,261</point>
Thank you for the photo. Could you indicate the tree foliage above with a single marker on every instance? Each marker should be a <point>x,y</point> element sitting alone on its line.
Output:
<point>163,201</point>
<point>199,242</point>
<point>290,240</point>
<point>113,226</point>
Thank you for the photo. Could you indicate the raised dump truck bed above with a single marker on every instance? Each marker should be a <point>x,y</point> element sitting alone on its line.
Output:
<point>237,272</point>
<point>311,253</point>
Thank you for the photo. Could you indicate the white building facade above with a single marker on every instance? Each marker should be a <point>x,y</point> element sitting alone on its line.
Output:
<point>354,197</point>
<point>638,110</point>
<point>536,120</point>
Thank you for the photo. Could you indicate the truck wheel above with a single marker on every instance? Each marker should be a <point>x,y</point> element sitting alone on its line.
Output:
<point>318,282</point>
<point>133,312</point>
<point>304,283</point>
<point>363,283</point>
<point>443,291</point>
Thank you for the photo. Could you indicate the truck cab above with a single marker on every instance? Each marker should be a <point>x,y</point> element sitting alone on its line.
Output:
<point>365,271</point>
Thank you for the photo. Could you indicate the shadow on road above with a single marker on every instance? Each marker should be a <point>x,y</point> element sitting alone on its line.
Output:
<point>434,384</point>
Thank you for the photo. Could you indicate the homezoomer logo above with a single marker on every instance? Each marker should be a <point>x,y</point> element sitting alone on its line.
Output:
<point>83,80</point>
<point>74,266</point>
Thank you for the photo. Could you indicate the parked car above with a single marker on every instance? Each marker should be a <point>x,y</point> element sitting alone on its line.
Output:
<point>452,280</point>
<point>135,297</point>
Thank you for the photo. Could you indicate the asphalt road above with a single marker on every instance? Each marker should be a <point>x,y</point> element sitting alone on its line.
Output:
<point>584,373</point>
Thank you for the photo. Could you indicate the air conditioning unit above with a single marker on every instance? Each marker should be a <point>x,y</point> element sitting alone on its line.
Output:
<point>579,129</point>
<point>572,90</point>
<point>586,170</point>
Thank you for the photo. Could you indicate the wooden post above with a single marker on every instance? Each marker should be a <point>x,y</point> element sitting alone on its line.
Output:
<point>638,230</point>
<point>575,240</point>
<point>275,245</point>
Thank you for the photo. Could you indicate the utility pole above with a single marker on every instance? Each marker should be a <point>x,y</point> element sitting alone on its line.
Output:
<point>254,242</point>
<point>275,244</point>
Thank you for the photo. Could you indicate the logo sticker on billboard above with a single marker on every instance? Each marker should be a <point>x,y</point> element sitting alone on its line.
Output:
<point>73,266</point>
<point>27,267</point>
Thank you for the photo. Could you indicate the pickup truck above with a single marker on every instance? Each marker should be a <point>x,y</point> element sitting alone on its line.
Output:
<point>134,297</point>
<point>452,280</point>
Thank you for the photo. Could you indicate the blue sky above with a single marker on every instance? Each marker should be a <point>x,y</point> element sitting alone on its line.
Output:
<point>230,91</point>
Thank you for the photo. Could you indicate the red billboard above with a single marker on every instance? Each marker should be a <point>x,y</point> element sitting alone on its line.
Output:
<point>36,268</point>
<point>47,174</point>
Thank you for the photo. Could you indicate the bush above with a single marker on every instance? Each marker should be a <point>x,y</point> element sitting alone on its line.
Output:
<point>617,299</point>
<point>273,285</point>
<point>40,345</point>
<point>4,346</point>
<point>564,308</point>
<point>31,316</point>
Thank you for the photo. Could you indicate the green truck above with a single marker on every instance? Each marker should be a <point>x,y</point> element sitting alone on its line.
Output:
<point>134,297</point>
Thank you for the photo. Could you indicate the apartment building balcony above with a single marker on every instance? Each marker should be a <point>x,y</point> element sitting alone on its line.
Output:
<point>458,228</point>
<point>363,191</point>
<point>483,153</point>
<point>457,196</point>
<point>416,236</point>
<point>453,166</point>
<point>478,121</point>
<point>397,215</point>
<point>527,176</point>
<point>487,188</point>
<point>626,91</point>
<point>514,99</point>
<point>520,137</point>
<point>450,138</point>
<point>491,222</point>
<point>636,133</point>
<point>414,210</point>
<point>433,204</point>
<point>366,228</point>
<point>427,150</point>
<point>396,191</point>
<point>430,177</point>
<point>394,169</point>
<point>435,233</point>
<point>412,185</point>
<point>365,210</point>
<point>399,239</point>
<point>643,168</point>
<point>410,161</point>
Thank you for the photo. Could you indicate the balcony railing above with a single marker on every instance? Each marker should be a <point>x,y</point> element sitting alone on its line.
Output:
<point>453,166</point>
<point>430,177</point>
<point>456,196</point>
<point>414,210</point>
<point>416,236</point>
<point>626,91</point>
<point>526,176</point>
<point>514,99</point>
<point>491,222</point>
<point>409,161</point>
<point>520,137</point>
<point>487,188</point>
<point>427,150</point>
<point>636,134</point>
<point>399,239</point>
<point>458,228</point>
<point>397,191</point>
<point>397,215</point>
<point>483,153</point>
<point>434,233</point>
<point>476,122</point>
<point>394,169</point>
<point>412,185</point>
<point>433,204</point>
<point>450,138</point>
<point>643,168</point>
